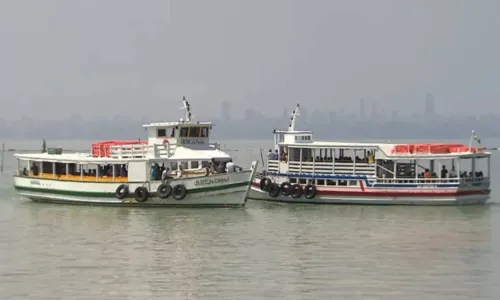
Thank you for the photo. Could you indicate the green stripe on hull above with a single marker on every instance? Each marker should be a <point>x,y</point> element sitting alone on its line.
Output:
<point>131,194</point>
<point>138,204</point>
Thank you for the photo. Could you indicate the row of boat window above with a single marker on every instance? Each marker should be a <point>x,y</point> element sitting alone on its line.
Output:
<point>323,155</point>
<point>185,132</point>
<point>353,183</point>
<point>120,170</point>
<point>331,182</point>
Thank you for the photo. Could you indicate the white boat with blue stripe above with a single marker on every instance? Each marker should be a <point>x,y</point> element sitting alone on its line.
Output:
<point>302,170</point>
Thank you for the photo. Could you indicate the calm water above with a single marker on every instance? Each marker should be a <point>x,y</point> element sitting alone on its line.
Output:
<point>264,251</point>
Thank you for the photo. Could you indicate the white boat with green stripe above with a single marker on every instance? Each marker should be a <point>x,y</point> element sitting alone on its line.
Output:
<point>176,167</point>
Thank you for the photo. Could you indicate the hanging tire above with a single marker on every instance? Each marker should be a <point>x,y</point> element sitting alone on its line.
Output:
<point>296,191</point>
<point>264,184</point>
<point>274,190</point>
<point>121,191</point>
<point>179,192</point>
<point>164,191</point>
<point>286,188</point>
<point>141,194</point>
<point>310,191</point>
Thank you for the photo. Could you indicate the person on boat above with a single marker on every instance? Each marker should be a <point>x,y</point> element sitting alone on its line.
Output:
<point>180,172</point>
<point>165,175</point>
<point>427,174</point>
<point>158,171</point>
<point>211,166</point>
<point>444,172</point>
<point>371,157</point>
<point>153,173</point>
<point>230,166</point>
<point>283,156</point>
<point>270,154</point>
<point>34,169</point>
<point>453,173</point>
<point>221,168</point>
<point>123,171</point>
<point>276,155</point>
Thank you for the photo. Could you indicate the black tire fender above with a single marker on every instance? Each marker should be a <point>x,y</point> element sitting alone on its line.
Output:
<point>274,190</point>
<point>141,194</point>
<point>179,192</point>
<point>286,188</point>
<point>121,191</point>
<point>310,191</point>
<point>297,191</point>
<point>164,191</point>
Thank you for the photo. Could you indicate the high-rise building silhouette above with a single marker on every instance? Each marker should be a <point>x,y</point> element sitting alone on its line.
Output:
<point>362,112</point>
<point>374,113</point>
<point>429,108</point>
<point>226,111</point>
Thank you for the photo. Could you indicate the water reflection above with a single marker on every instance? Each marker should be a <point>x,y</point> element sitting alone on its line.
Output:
<point>266,251</point>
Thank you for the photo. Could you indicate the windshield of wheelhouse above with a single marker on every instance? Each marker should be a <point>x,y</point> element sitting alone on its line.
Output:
<point>194,132</point>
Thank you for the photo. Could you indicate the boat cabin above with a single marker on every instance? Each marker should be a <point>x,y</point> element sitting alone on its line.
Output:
<point>297,156</point>
<point>183,145</point>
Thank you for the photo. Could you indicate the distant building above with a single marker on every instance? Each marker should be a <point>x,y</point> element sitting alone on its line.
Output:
<point>226,111</point>
<point>362,110</point>
<point>429,106</point>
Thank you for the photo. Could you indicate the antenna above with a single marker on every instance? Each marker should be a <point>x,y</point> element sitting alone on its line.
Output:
<point>294,115</point>
<point>187,110</point>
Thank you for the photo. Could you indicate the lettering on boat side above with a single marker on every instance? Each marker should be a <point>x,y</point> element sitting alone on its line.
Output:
<point>34,182</point>
<point>192,141</point>
<point>432,186</point>
<point>211,180</point>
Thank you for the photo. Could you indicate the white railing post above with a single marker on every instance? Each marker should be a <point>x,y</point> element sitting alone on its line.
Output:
<point>354,162</point>
<point>488,171</point>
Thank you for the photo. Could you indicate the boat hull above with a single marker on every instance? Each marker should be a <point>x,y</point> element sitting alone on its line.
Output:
<point>221,190</point>
<point>386,197</point>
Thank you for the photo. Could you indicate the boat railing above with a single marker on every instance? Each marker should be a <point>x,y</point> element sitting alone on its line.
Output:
<point>141,151</point>
<point>341,168</point>
<point>273,165</point>
<point>433,181</point>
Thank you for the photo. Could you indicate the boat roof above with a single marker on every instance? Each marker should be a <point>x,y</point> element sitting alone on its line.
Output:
<point>180,154</point>
<point>293,132</point>
<point>177,123</point>
<point>386,149</point>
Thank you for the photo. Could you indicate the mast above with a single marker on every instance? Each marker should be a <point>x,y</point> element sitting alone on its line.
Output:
<point>294,115</point>
<point>187,110</point>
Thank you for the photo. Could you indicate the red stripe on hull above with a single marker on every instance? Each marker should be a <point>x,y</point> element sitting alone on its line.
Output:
<point>375,193</point>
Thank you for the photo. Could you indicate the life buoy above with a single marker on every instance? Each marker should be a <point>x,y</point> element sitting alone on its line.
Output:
<point>264,184</point>
<point>141,194</point>
<point>296,191</point>
<point>164,190</point>
<point>286,188</point>
<point>274,190</point>
<point>121,191</point>
<point>310,191</point>
<point>179,192</point>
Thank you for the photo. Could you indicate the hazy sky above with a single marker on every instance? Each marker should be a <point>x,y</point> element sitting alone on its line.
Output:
<point>136,58</point>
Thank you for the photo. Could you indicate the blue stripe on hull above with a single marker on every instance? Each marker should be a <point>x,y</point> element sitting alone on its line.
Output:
<point>363,178</point>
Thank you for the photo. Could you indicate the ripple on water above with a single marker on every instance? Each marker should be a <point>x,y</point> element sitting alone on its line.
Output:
<point>265,251</point>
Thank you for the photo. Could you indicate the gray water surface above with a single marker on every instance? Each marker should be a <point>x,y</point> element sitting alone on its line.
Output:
<point>266,251</point>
